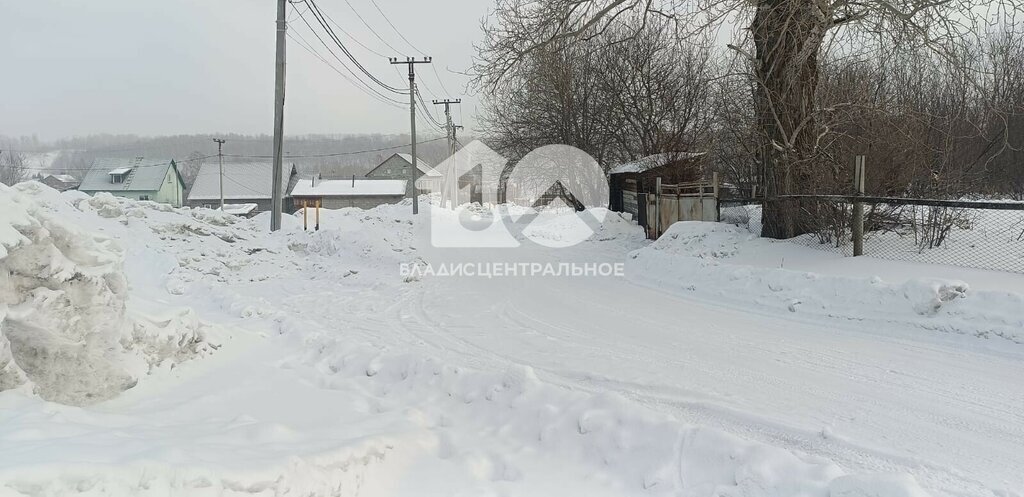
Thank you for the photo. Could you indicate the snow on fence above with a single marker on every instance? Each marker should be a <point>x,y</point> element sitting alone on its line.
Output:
<point>976,234</point>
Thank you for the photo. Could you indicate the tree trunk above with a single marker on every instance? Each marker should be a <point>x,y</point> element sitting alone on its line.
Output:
<point>787,35</point>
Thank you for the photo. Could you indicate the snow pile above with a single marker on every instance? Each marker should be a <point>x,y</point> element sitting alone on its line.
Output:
<point>64,325</point>
<point>702,240</point>
<point>566,227</point>
<point>693,258</point>
<point>64,311</point>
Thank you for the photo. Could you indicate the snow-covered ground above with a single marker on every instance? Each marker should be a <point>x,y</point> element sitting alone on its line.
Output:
<point>307,364</point>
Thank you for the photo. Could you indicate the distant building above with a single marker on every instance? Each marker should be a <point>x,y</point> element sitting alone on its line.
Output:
<point>397,167</point>
<point>244,183</point>
<point>138,178</point>
<point>339,193</point>
<point>471,175</point>
<point>60,182</point>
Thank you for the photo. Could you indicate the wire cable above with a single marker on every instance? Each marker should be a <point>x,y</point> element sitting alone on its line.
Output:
<point>318,14</point>
<point>375,33</point>
<point>337,154</point>
<point>400,35</point>
<point>287,155</point>
<point>345,50</point>
<point>362,87</point>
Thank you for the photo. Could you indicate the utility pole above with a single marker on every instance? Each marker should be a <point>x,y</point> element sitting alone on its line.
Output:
<point>220,160</point>
<point>449,126</point>
<point>411,61</point>
<point>450,188</point>
<point>275,182</point>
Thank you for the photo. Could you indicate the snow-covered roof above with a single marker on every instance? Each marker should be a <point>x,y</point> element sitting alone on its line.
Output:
<point>421,164</point>
<point>239,209</point>
<point>145,174</point>
<point>652,161</point>
<point>348,187</point>
<point>242,181</point>
<point>63,178</point>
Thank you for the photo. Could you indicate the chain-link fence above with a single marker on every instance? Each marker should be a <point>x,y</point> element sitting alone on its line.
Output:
<point>986,235</point>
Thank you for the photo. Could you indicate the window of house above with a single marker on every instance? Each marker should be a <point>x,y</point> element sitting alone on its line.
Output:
<point>117,178</point>
<point>143,197</point>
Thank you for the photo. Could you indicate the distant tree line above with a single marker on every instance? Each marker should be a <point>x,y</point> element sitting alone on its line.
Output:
<point>77,154</point>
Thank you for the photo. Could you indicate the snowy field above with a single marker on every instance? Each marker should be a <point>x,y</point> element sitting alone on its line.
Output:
<point>151,351</point>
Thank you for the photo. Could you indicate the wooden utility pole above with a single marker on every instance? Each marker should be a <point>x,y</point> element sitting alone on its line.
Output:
<point>858,207</point>
<point>275,182</point>
<point>411,61</point>
<point>220,161</point>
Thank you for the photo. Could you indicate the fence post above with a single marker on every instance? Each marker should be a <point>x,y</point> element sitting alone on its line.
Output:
<point>718,207</point>
<point>657,207</point>
<point>858,207</point>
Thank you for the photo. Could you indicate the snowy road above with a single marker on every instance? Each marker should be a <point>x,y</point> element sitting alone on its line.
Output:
<point>327,372</point>
<point>951,416</point>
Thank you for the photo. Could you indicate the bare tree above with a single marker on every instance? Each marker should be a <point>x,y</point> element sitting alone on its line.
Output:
<point>615,99</point>
<point>782,47</point>
<point>12,167</point>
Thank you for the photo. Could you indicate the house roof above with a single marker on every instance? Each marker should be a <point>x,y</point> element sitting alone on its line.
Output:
<point>63,178</point>
<point>652,161</point>
<point>423,166</point>
<point>239,209</point>
<point>143,174</point>
<point>242,180</point>
<point>348,187</point>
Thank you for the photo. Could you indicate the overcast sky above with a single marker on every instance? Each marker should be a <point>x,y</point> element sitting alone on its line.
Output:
<point>207,66</point>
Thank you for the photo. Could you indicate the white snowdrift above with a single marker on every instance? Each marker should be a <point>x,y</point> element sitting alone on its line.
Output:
<point>64,327</point>
<point>693,258</point>
<point>383,410</point>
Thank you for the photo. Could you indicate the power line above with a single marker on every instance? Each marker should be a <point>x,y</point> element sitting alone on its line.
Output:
<point>362,87</point>
<point>375,33</point>
<point>400,35</point>
<point>427,110</point>
<point>438,76</point>
<point>338,154</point>
<point>240,156</point>
<point>353,38</point>
<point>315,10</point>
<point>159,164</point>
<point>324,43</point>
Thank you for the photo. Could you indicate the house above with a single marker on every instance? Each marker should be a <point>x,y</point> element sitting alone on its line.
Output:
<point>471,175</point>
<point>138,178</point>
<point>60,182</point>
<point>244,183</point>
<point>339,193</point>
<point>397,167</point>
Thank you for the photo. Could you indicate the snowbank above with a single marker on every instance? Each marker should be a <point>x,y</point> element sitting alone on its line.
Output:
<point>366,411</point>
<point>693,258</point>
<point>64,324</point>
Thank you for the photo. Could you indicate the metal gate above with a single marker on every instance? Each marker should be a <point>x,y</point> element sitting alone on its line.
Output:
<point>668,204</point>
